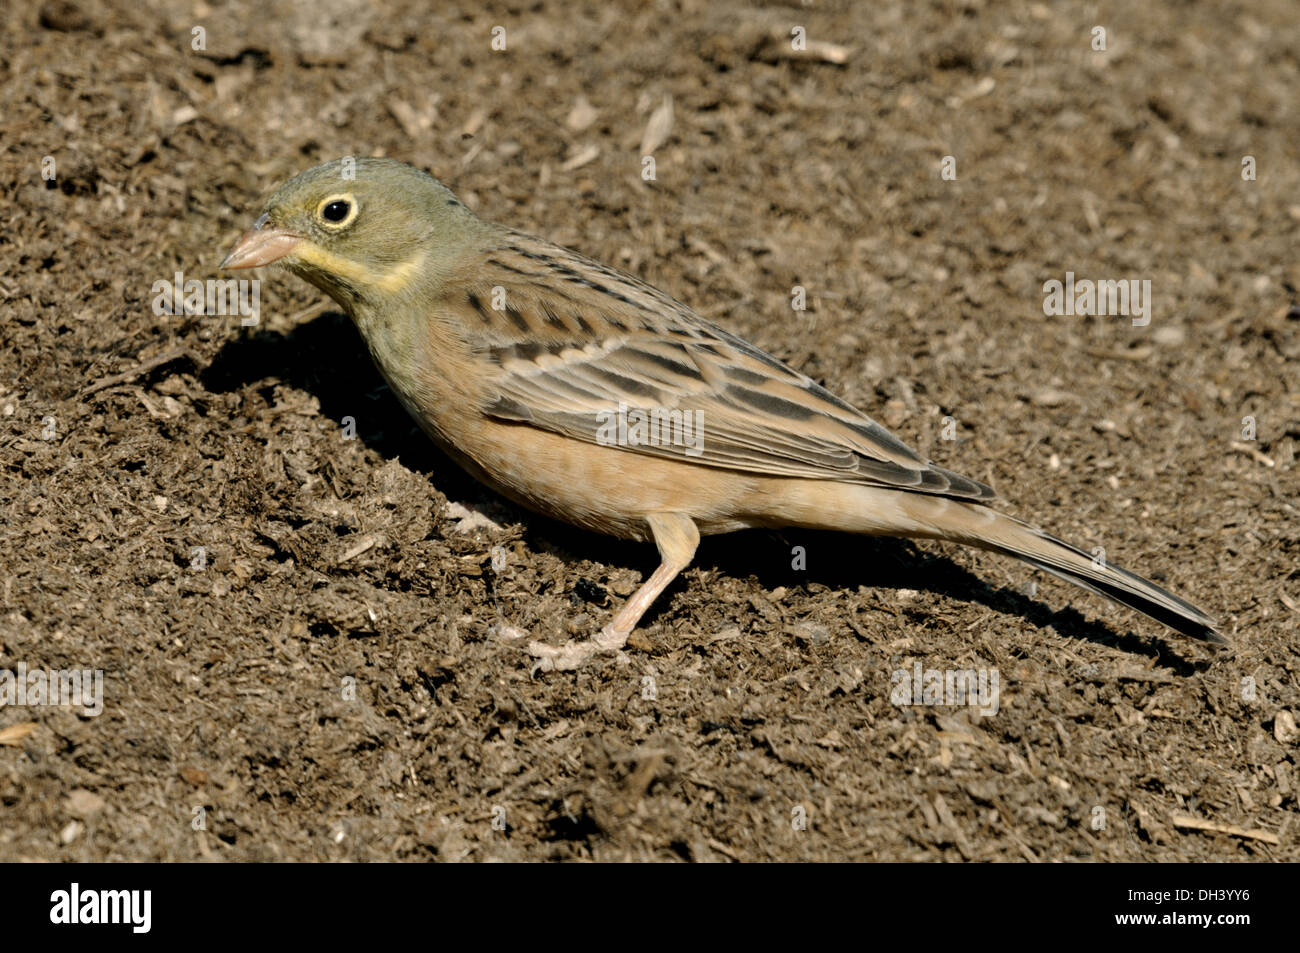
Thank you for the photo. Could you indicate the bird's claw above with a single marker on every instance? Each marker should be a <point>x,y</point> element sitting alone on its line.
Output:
<point>573,655</point>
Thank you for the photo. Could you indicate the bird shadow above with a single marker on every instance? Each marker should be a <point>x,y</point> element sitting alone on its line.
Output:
<point>326,358</point>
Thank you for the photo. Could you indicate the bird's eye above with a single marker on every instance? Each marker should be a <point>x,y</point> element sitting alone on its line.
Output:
<point>337,211</point>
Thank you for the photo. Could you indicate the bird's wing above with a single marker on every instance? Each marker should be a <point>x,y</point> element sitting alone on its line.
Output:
<point>585,351</point>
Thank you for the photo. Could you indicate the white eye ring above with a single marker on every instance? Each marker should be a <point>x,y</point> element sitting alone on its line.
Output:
<point>344,198</point>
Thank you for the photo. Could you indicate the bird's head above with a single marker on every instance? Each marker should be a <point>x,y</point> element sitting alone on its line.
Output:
<point>361,230</point>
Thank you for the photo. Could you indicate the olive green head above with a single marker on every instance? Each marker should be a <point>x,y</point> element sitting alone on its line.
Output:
<point>362,230</point>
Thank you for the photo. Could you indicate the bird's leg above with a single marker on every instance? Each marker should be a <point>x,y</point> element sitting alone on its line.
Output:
<point>677,537</point>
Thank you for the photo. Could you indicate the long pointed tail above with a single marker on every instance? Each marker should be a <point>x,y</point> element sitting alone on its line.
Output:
<point>977,525</point>
<point>889,512</point>
<point>1072,564</point>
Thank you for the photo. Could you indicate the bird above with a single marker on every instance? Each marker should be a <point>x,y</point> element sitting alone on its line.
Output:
<point>585,394</point>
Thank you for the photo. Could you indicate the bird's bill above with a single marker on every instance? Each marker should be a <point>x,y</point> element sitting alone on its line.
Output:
<point>262,244</point>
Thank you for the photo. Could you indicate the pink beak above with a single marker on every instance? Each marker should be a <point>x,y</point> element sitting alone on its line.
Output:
<point>261,245</point>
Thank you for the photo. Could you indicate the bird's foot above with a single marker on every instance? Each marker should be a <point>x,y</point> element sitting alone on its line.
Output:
<point>573,655</point>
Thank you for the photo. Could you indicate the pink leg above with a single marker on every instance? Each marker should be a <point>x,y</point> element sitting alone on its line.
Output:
<point>677,538</point>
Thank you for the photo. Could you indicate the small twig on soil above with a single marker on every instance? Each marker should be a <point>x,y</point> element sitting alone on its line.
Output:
<point>1136,354</point>
<point>722,849</point>
<point>365,543</point>
<point>14,734</point>
<point>310,311</point>
<point>144,367</point>
<point>1250,451</point>
<point>1186,822</point>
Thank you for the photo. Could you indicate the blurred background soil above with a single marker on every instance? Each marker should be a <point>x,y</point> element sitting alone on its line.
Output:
<point>305,644</point>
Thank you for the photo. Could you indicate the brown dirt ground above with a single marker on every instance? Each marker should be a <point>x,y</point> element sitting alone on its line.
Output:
<point>331,558</point>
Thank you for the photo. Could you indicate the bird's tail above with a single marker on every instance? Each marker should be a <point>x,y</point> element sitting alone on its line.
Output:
<point>880,511</point>
<point>988,529</point>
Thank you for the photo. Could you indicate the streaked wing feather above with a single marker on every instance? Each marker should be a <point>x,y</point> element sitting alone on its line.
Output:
<point>578,340</point>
